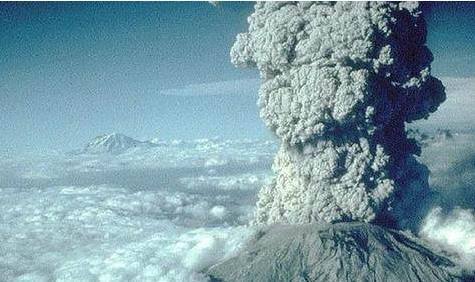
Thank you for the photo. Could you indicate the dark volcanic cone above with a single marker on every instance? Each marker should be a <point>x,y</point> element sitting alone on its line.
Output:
<point>335,252</point>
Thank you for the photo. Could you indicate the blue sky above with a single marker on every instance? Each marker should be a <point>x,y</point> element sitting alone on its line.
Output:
<point>71,71</point>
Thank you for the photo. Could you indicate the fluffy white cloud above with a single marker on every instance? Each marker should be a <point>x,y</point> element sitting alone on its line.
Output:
<point>105,233</point>
<point>454,232</point>
<point>157,213</point>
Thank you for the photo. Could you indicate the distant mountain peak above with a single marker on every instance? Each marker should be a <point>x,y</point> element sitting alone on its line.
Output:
<point>114,143</point>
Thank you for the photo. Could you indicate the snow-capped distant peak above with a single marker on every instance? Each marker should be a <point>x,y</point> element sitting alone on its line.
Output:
<point>114,143</point>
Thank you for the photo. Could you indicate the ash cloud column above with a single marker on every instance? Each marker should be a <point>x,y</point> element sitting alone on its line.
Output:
<point>339,83</point>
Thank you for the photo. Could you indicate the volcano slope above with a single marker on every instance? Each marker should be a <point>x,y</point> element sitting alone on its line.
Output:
<point>335,252</point>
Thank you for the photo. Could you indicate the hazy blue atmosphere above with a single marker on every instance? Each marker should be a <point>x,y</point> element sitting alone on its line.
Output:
<point>71,71</point>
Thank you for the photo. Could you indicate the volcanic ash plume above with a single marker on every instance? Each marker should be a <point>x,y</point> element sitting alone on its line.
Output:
<point>340,80</point>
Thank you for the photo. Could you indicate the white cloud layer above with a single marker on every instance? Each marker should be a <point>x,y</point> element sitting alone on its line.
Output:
<point>454,232</point>
<point>231,87</point>
<point>159,213</point>
<point>162,214</point>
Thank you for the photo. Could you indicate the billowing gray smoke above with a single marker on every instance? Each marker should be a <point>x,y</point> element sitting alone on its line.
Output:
<point>340,80</point>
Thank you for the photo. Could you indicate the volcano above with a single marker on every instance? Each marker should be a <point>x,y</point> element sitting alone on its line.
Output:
<point>336,252</point>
